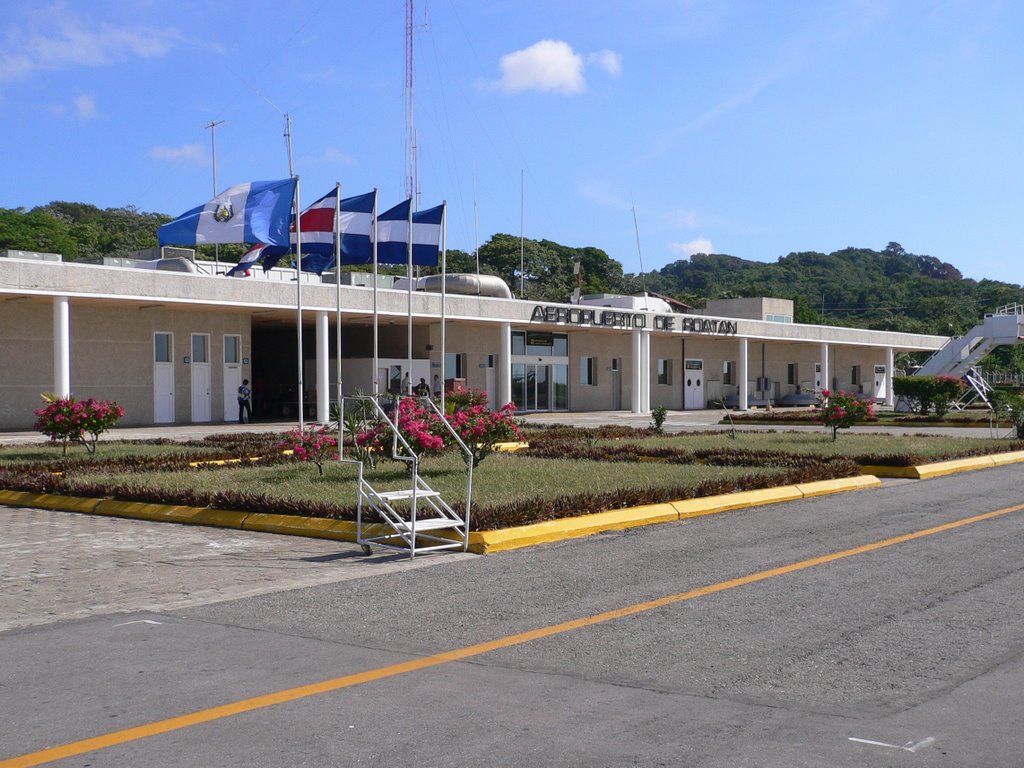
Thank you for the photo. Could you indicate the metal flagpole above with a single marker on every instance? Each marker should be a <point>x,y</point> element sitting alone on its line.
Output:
<point>522,246</point>
<point>298,268</point>
<point>213,137</point>
<point>298,300</point>
<point>376,364</point>
<point>408,274</point>
<point>444,285</point>
<point>337,316</point>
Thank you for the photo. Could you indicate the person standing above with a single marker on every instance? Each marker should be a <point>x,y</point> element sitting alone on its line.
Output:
<point>437,386</point>
<point>406,386</point>
<point>244,404</point>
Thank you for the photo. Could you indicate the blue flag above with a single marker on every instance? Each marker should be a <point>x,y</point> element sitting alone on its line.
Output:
<point>253,212</point>
<point>393,235</point>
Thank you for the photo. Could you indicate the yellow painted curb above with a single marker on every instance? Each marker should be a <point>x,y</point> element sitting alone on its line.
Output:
<point>314,527</point>
<point>220,518</point>
<point>1011,457</point>
<point>821,487</point>
<point>728,501</point>
<point>886,471</point>
<point>570,528</point>
<point>509,447</point>
<point>957,465</point>
<point>48,501</point>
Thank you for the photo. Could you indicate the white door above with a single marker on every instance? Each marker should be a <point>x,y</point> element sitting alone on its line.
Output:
<point>163,378</point>
<point>202,402</point>
<point>881,383</point>
<point>693,384</point>
<point>817,378</point>
<point>232,375</point>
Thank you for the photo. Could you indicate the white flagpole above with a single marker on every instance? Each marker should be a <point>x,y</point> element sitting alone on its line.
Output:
<point>444,285</point>
<point>337,316</point>
<point>298,298</point>
<point>376,364</point>
<point>408,274</point>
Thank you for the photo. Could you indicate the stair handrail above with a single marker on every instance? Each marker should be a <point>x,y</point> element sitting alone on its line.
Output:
<point>465,450</point>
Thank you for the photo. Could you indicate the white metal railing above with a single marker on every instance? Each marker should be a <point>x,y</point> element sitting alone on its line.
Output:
<point>383,502</point>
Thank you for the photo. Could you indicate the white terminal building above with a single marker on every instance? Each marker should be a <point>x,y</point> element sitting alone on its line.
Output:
<point>171,342</point>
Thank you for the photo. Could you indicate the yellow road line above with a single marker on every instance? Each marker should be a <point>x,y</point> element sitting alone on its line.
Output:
<point>280,697</point>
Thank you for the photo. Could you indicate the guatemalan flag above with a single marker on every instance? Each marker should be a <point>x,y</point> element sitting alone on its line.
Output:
<point>253,212</point>
<point>393,235</point>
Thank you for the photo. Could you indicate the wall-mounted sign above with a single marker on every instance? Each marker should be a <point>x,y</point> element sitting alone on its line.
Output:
<point>607,318</point>
<point>187,360</point>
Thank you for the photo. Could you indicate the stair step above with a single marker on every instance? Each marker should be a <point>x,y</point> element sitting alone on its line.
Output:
<point>406,493</point>
<point>431,524</point>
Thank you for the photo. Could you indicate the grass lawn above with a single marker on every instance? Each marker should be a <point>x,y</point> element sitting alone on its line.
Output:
<point>821,443</point>
<point>502,477</point>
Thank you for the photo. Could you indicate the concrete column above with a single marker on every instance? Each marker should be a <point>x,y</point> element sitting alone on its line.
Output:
<point>741,363</point>
<point>890,399</point>
<point>323,368</point>
<point>61,346</point>
<point>504,366</point>
<point>635,376</point>
<point>645,371</point>
<point>826,374</point>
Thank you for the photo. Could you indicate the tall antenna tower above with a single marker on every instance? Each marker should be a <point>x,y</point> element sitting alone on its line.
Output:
<point>410,131</point>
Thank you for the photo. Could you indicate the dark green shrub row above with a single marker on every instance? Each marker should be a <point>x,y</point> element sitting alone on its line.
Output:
<point>526,511</point>
<point>915,459</point>
<point>925,393</point>
<point>631,452</point>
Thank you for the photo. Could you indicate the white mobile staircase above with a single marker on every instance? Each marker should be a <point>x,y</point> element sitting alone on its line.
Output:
<point>415,518</point>
<point>961,353</point>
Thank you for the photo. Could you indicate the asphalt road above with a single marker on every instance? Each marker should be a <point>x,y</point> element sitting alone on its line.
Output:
<point>797,634</point>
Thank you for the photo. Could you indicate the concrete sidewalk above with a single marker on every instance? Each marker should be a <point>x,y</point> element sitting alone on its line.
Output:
<point>677,421</point>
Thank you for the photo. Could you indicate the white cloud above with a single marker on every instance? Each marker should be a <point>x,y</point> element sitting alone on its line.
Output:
<point>550,66</point>
<point>609,61</point>
<point>57,38</point>
<point>697,245</point>
<point>187,153</point>
<point>85,106</point>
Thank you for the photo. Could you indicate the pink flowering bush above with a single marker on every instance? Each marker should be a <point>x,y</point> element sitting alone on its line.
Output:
<point>420,427</point>
<point>840,410</point>
<point>315,444</point>
<point>481,429</point>
<point>66,419</point>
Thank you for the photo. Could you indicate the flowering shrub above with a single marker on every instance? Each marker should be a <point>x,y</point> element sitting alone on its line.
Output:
<point>463,400</point>
<point>481,429</point>
<point>316,444</point>
<point>421,428</point>
<point>840,410</point>
<point>66,419</point>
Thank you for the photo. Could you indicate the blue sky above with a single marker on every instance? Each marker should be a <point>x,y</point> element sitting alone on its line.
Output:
<point>731,126</point>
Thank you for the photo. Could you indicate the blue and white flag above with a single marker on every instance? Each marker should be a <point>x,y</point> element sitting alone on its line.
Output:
<point>355,223</point>
<point>426,236</point>
<point>393,235</point>
<point>253,212</point>
<point>248,260</point>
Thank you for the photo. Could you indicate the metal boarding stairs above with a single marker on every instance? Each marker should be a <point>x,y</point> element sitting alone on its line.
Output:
<point>960,355</point>
<point>415,519</point>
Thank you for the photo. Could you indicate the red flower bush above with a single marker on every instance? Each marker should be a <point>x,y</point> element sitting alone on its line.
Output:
<point>315,444</point>
<point>840,410</point>
<point>66,419</point>
<point>481,429</point>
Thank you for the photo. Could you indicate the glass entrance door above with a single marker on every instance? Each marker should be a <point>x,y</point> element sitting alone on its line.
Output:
<point>531,386</point>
